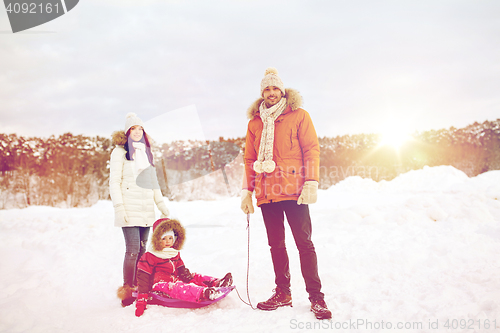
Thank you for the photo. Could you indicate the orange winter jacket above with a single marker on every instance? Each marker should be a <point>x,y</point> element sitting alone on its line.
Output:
<point>295,151</point>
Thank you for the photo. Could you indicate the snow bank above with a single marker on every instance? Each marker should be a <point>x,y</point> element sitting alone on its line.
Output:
<point>426,180</point>
<point>413,252</point>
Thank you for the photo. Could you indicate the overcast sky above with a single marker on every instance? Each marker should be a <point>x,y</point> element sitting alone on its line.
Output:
<point>361,66</point>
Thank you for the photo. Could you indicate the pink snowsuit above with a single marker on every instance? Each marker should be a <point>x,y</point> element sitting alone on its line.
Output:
<point>165,278</point>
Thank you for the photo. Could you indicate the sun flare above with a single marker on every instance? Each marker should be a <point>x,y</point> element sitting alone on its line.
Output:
<point>394,138</point>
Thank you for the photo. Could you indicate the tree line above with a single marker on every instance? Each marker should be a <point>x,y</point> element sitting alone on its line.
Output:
<point>73,170</point>
<point>69,170</point>
<point>474,149</point>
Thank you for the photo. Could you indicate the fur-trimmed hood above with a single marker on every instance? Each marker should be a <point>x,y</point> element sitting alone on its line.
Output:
<point>118,138</point>
<point>161,226</point>
<point>292,96</point>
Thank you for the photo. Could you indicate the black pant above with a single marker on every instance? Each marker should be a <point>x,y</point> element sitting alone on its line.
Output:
<point>300,223</point>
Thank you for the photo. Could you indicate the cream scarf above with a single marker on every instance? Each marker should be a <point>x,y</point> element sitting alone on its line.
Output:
<point>166,253</point>
<point>140,158</point>
<point>265,161</point>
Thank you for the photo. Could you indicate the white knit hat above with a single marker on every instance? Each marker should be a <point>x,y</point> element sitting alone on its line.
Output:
<point>169,233</point>
<point>132,120</point>
<point>271,78</point>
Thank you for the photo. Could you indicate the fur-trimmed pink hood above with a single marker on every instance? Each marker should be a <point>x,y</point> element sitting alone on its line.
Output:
<point>292,96</point>
<point>161,226</point>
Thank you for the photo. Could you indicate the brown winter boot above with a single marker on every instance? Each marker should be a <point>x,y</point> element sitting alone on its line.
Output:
<point>125,294</point>
<point>320,309</point>
<point>277,300</point>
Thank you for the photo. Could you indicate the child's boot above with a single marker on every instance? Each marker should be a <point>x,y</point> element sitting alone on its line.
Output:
<point>211,293</point>
<point>226,281</point>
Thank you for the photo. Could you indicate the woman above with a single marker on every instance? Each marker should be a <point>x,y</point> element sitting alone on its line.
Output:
<point>133,204</point>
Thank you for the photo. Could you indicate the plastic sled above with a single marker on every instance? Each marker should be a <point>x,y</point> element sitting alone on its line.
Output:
<point>159,298</point>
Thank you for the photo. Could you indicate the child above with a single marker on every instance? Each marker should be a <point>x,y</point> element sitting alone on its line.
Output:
<point>162,269</point>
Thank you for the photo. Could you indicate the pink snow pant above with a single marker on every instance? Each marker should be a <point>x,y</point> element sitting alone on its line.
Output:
<point>190,292</point>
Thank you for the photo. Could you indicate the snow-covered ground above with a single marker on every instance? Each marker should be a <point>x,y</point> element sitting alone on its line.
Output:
<point>419,253</point>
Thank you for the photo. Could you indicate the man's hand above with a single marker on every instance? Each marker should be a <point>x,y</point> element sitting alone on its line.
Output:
<point>309,194</point>
<point>246,202</point>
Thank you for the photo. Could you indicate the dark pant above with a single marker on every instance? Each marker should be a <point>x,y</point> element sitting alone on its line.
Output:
<point>136,239</point>
<point>300,223</point>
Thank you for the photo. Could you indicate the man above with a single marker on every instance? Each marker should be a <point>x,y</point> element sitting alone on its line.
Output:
<point>282,167</point>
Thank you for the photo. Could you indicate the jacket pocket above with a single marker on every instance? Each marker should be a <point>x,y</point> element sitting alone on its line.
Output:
<point>289,146</point>
<point>291,181</point>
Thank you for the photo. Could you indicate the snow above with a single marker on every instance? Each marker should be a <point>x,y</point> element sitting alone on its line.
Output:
<point>418,250</point>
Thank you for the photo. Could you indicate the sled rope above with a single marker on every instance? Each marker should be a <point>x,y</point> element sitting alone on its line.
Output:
<point>249,303</point>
